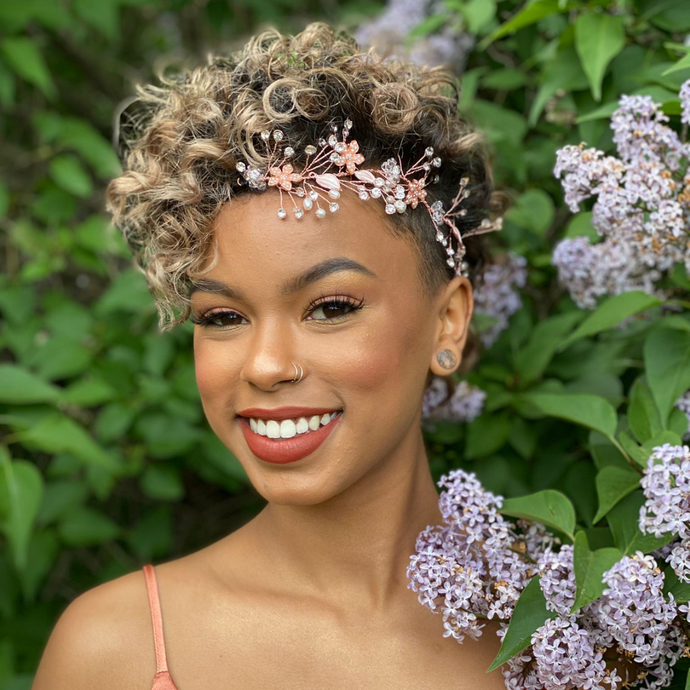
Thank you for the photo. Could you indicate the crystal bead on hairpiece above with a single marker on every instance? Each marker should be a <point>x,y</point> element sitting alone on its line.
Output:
<point>334,166</point>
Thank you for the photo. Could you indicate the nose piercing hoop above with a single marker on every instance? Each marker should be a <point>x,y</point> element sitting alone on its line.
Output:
<point>299,373</point>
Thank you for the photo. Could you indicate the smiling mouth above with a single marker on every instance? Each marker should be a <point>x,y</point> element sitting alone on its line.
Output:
<point>287,440</point>
<point>289,428</point>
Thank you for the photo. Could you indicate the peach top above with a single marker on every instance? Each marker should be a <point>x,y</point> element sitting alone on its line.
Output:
<point>162,680</point>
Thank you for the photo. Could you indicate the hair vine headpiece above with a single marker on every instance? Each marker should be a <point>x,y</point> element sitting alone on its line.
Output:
<point>332,167</point>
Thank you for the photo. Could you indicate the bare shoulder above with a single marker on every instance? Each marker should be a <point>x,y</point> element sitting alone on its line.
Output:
<point>103,639</point>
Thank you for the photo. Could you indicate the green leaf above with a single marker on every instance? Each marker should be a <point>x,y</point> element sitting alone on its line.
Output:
<point>613,485</point>
<point>589,567</point>
<point>102,15</point>
<point>580,225</point>
<point>610,313</point>
<point>683,63</point>
<point>530,14</point>
<point>500,124</point>
<point>667,363</point>
<point>25,59</point>
<point>477,14</point>
<point>561,74</point>
<point>21,490</point>
<point>606,453</point>
<point>534,210</point>
<point>599,38</point>
<point>530,614</point>
<point>588,410</point>
<point>643,415</point>
<point>532,360</point>
<point>487,434</point>
<point>680,590</point>
<point>623,521</point>
<point>20,387</point>
<point>636,453</point>
<point>56,433</point>
<point>551,508</point>
<point>85,526</point>
<point>69,174</point>
<point>162,483</point>
<point>59,497</point>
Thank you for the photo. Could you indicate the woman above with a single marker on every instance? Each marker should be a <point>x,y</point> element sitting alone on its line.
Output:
<point>322,307</point>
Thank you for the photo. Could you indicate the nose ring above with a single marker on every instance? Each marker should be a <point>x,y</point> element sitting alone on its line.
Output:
<point>299,373</point>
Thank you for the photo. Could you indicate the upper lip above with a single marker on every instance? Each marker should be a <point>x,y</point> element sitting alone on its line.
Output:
<point>289,412</point>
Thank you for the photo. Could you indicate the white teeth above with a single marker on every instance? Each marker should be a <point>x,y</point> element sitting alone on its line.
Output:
<point>289,428</point>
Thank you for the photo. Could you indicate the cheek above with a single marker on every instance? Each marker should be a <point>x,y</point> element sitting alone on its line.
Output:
<point>214,369</point>
<point>383,355</point>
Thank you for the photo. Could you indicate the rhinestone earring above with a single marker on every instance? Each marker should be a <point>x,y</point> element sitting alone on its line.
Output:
<point>447,359</point>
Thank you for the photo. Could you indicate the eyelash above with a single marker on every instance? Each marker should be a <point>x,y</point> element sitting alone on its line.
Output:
<point>338,300</point>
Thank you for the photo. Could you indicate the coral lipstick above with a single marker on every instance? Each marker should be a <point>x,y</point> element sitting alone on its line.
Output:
<point>285,450</point>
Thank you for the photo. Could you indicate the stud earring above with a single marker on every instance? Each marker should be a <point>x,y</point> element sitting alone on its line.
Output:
<point>447,359</point>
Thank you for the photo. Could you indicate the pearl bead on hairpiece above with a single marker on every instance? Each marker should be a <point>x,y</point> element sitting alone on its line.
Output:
<point>333,166</point>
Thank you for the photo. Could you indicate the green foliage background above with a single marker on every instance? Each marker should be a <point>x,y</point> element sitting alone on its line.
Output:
<point>106,461</point>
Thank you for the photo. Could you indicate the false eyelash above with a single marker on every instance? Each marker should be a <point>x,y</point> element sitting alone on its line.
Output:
<point>208,317</point>
<point>341,300</point>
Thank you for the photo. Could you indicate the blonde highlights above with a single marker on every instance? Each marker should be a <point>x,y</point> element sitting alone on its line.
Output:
<point>193,128</point>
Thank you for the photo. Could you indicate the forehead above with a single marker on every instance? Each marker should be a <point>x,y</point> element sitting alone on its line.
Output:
<point>255,247</point>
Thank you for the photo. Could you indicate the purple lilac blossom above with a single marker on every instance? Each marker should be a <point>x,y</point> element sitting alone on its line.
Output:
<point>389,34</point>
<point>473,568</point>
<point>557,579</point>
<point>641,208</point>
<point>633,607</point>
<point>666,486</point>
<point>520,672</point>
<point>497,297</point>
<point>566,658</point>
<point>465,404</point>
<point>685,102</point>
<point>591,271</point>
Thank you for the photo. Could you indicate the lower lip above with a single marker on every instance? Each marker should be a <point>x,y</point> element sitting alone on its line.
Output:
<point>284,450</point>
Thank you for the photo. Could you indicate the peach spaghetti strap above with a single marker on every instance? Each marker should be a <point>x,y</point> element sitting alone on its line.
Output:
<point>162,680</point>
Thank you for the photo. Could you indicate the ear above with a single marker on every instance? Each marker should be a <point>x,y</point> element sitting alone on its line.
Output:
<point>455,305</point>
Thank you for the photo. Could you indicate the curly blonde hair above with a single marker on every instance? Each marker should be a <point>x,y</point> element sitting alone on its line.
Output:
<point>193,128</point>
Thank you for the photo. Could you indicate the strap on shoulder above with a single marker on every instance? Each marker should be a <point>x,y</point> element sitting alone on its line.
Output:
<point>156,617</point>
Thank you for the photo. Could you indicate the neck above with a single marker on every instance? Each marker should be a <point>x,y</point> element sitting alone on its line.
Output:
<point>360,541</point>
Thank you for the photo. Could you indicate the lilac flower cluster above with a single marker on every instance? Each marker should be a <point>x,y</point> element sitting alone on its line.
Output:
<point>666,486</point>
<point>389,33</point>
<point>496,297</point>
<point>475,566</point>
<point>465,404</point>
<point>642,206</point>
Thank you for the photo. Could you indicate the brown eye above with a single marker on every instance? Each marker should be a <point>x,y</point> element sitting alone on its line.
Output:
<point>218,319</point>
<point>332,309</point>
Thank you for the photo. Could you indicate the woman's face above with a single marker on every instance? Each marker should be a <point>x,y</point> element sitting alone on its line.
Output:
<point>341,298</point>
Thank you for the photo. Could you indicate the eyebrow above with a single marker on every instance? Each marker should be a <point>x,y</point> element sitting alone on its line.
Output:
<point>311,275</point>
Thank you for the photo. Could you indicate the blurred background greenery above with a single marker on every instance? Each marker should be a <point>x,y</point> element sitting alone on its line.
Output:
<point>106,460</point>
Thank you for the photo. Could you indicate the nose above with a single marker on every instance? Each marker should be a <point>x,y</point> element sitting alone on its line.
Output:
<point>269,356</point>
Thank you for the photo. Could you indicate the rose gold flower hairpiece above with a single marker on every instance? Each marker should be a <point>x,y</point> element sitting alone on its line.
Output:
<point>334,167</point>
